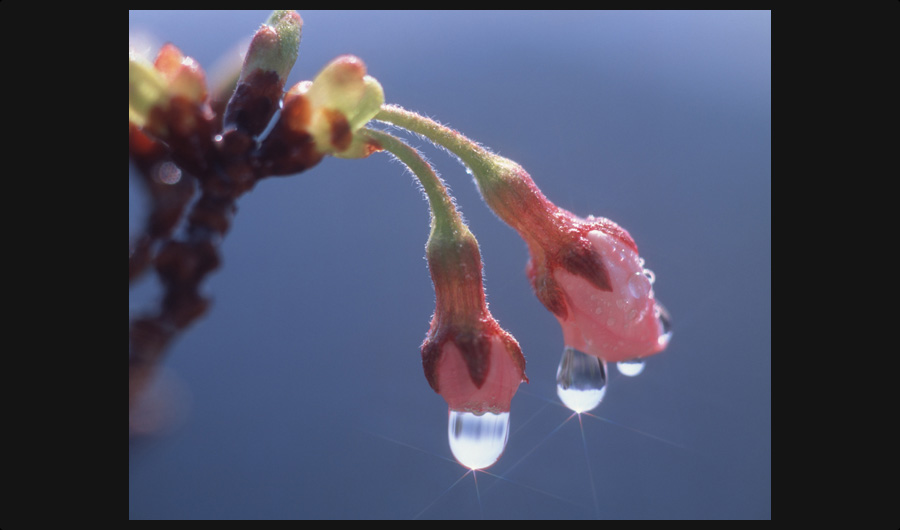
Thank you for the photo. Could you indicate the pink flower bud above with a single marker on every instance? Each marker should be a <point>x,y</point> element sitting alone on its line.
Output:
<point>587,272</point>
<point>596,285</point>
<point>468,358</point>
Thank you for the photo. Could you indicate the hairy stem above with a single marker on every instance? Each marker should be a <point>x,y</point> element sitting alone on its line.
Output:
<point>444,214</point>
<point>477,158</point>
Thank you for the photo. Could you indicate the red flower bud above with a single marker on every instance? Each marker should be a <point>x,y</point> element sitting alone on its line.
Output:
<point>602,294</point>
<point>468,358</point>
<point>587,272</point>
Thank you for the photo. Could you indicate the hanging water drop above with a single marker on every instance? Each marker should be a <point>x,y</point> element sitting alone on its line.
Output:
<point>580,380</point>
<point>630,368</point>
<point>665,324</point>
<point>477,440</point>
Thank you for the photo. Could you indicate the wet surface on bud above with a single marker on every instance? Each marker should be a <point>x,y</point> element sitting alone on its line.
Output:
<point>254,102</point>
<point>619,324</point>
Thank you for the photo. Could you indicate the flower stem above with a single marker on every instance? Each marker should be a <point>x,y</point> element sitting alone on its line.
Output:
<point>477,158</point>
<point>454,258</point>
<point>445,217</point>
<point>505,186</point>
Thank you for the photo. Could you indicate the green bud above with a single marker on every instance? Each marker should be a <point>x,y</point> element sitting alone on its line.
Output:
<point>369,104</point>
<point>275,45</point>
<point>146,89</point>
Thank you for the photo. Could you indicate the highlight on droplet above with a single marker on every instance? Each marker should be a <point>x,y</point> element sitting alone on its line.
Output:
<point>630,368</point>
<point>580,380</point>
<point>477,440</point>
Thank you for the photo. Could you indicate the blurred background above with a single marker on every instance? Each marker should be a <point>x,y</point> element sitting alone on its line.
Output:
<point>301,393</point>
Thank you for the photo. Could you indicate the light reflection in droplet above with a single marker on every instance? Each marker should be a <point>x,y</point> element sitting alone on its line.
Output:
<point>665,324</point>
<point>580,380</point>
<point>477,440</point>
<point>630,368</point>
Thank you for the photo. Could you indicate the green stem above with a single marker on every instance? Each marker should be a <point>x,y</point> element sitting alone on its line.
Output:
<point>505,186</point>
<point>452,250</point>
<point>445,217</point>
<point>478,159</point>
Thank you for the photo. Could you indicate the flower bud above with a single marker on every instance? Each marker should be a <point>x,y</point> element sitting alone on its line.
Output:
<point>146,89</point>
<point>270,57</point>
<point>275,46</point>
<point>336,104</point>
<point>594,282</point>
<point>173,88</point>
<point>468,358</point>
<point>586,272</point>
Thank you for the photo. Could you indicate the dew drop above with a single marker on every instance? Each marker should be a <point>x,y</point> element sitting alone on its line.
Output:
<point>630,368</point>
<point>580,380</point>
<point>665,324</point>
<point>477,440</point>
<point>639,285</point>
<point>650,276</point>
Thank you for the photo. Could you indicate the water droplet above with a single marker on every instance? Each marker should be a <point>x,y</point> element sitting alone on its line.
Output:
<point>477,440</point>
<point>630,368</point>
<point>665,324</point>
<point>632,315</point>
<point>639,285</point>
<point>580,380</point>
<point>650,276</point>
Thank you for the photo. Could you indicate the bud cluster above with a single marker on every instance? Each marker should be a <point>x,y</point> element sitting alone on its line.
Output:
<point>587,272</point>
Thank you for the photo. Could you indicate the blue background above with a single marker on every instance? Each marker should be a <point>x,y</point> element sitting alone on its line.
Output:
<point>301,393</point>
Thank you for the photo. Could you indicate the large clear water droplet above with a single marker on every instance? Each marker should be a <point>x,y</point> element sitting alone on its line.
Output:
<point>477,440</point>
<point>665,324</point>
<point>630,368</point>
<point>580,380</point>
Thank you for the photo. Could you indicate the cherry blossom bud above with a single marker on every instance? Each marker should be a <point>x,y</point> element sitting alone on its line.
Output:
<point>173,89</point>
<point>468,358</point>
<point>587,272</point>
<point>591,277</point>
<point>275,46</point>
<point>334,106</point>
<point>270,57</point>
<point>184,75</point>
